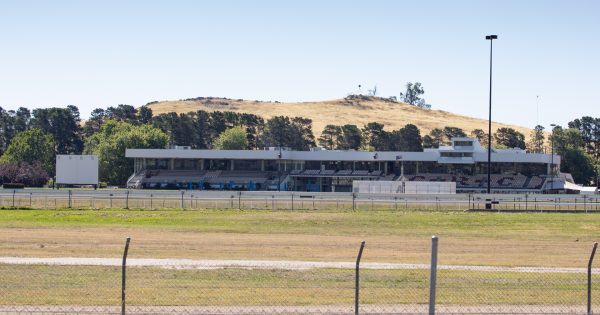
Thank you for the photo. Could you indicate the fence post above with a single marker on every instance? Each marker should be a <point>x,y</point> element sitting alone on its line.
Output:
<point>123,275</point>
<point>30,194</point>
<point>14,192</point>
<point>357,279</point>
<point>433,277</point>
<point>589,279</point>
<point>182,205</point>
<point>292,201</point>
<point>239,200</point>
<point>353,201</point>
<point>127,200</point>
<point>70,198</point>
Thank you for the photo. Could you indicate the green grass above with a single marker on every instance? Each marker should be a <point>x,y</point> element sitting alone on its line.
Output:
<point>86,285</point>
<point>543,226</point>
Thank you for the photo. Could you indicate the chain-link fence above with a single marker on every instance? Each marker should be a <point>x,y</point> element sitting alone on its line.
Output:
<point>359,285</point>
<point>195,199</point>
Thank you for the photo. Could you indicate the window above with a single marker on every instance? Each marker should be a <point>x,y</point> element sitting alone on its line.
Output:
<point>463,143</point>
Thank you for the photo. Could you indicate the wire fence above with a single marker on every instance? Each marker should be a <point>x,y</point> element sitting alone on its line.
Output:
<point>190,199</point>
<point>131,285</point>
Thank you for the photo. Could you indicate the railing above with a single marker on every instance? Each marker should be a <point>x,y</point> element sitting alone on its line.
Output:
<point>273,200</point>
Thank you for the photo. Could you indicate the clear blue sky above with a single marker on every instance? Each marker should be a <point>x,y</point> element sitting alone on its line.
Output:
<point>103,53</point>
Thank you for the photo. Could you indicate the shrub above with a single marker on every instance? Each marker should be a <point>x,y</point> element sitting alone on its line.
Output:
<point>23,173</point>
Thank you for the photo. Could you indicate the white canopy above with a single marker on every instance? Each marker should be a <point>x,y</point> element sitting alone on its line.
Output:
<point>581,189</point>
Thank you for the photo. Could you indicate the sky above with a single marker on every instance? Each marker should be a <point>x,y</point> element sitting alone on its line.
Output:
<point>103,53</point>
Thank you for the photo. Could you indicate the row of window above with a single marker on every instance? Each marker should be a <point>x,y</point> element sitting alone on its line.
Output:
<point>407,167</point>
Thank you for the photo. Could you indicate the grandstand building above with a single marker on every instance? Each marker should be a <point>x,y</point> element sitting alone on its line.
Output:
<point>463,162</point>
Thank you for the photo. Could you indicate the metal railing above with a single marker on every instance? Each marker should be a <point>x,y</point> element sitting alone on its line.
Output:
<point>190,199</point>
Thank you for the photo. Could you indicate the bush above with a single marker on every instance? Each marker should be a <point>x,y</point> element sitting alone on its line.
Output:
<point>23,173</point>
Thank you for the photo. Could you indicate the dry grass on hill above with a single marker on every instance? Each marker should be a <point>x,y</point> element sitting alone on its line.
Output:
<point>359,111</point>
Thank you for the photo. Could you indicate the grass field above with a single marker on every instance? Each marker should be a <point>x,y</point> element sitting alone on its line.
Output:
<point>524,239</point>
<point>466,238</point>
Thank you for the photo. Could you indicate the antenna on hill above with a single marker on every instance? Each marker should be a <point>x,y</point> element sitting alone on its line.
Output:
<point>359,89</point>
<point>537,110</point>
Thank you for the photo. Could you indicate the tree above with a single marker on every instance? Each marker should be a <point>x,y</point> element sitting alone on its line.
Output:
<point>510,138</point>
<point>63,125</point>
<point>452,132</point>
<point>302,133</point>
<point>295,133</point>
<point>31,146</point>
<point>373,92</point>
<point>144,115</point>
<point>201,130</point>
<point>278,131</point>
<point>589,128</point>
<point>7,129</point>
<point>375,137</point>
<point>536,144</point>
<point>329,138</point>
<point>481,136</point>
<point>412,95</point>
<point>254,126</point>
<point>434,139</point>
<point>22,118</point>
<point>408,139</point>
<point>568,143</point>
<point>351,138</point>
<point>110,142</point>
<point>93,125</point>
<point>232,139</point>
<point>122,112</point>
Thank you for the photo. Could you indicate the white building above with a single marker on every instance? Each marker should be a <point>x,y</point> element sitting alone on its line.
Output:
<point>464,162</point>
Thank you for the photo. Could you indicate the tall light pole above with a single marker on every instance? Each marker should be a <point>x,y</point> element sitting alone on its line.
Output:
<point>552,158</point>
<point>489,161</point>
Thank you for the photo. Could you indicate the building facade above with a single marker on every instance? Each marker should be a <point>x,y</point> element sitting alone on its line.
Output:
<point>464,162</point>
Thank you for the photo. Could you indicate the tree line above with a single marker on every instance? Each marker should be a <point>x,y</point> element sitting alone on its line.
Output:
<point>29,140</point>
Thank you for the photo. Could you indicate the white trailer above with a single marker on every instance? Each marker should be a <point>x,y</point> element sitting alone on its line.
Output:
<point>77,170</point>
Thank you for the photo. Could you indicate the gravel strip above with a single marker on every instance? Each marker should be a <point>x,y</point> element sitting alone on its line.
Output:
<point>264,264</point>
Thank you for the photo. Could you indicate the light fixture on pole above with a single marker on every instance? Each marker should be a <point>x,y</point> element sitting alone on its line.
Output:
<point>552,158</point>
<point>489,160</point>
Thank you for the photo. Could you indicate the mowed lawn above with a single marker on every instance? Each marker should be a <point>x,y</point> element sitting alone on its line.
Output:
<point>523,239</point>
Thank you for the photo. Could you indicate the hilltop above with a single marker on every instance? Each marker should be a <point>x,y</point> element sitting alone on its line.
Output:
<point>355,109</point>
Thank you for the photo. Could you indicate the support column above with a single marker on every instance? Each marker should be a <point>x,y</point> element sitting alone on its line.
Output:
<point>232,168</point>
<point>172,164</point>
<point>262,165</point>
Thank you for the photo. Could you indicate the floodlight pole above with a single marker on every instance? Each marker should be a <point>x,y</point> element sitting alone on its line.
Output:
<point>489,161</point>
<point>552,158</point>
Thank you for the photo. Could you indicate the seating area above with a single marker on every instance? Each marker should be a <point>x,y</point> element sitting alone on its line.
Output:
<point>362,173</point>
<point>480,181</point>
<point>258,180</point>
<point>194,179</point>
<point>239,177</point>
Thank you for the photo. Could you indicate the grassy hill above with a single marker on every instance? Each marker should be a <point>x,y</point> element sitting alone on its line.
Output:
<point>358,110</point>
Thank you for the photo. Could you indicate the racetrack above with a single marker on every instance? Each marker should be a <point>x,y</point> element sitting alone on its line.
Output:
<point>264,264</point>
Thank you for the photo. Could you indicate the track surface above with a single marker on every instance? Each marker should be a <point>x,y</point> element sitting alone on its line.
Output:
<point>264,264</point>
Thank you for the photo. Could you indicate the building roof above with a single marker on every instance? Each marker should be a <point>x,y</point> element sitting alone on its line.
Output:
<point>433,155</point>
